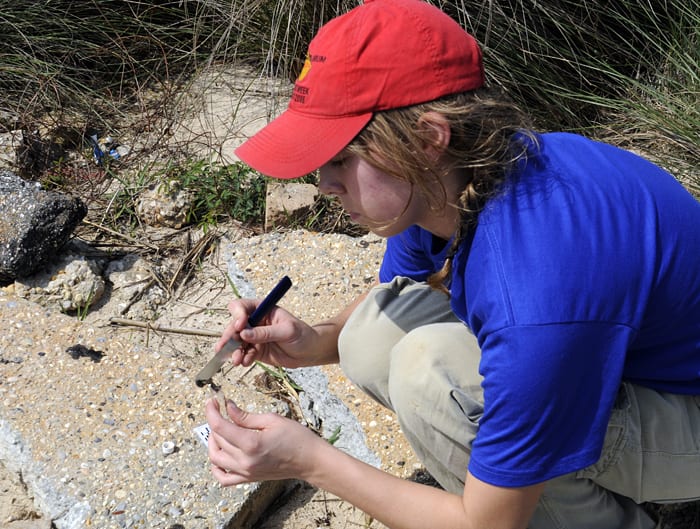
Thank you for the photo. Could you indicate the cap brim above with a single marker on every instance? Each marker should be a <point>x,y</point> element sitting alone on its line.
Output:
<point>296,144</point>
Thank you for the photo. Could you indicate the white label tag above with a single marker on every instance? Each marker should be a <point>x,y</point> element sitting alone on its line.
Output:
<point>202,432</point>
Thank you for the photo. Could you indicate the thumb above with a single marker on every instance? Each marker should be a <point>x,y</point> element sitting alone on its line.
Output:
<point>244,419</point>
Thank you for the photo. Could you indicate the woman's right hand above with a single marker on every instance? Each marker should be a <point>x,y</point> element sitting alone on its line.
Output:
<point>279,339</point>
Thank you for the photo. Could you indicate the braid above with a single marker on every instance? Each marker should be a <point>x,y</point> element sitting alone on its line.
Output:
<point>440,280</point>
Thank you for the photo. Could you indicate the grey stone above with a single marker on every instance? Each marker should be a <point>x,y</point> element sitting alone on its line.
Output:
<point>66,512</point>
<point>164,205</point>
<point>34,225</point>
<point>77,482</point>
<point>328,413</point>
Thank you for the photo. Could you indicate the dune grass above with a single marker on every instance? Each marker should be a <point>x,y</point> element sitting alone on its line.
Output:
<point>626,71</point>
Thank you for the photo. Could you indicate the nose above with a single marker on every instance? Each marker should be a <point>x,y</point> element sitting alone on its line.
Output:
<point>329,182</point>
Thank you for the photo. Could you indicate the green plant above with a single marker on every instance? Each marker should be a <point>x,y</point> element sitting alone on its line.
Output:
<point>82,310</point>
<point>624,71</point>
<point>659,113</point>
<point>279,374</point>
<point>335,435</point>
<point>233,287</point>
<point>96,59</point>
<point>220,191</point>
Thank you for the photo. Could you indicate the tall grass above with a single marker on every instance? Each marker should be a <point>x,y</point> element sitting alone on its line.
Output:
<point>99,57</point>
<point>85,56</point>
<point>623,70</point>
<point>627,71</point>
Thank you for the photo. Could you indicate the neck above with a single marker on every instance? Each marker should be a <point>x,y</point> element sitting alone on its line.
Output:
<point>444,223</point>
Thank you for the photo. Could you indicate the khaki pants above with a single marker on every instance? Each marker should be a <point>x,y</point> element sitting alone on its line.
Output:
<point>407,350</point>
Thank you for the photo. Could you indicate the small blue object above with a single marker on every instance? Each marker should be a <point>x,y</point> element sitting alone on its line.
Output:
<point>97,150</point>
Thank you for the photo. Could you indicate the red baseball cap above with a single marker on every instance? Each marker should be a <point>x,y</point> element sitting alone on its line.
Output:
<point>381,55</point>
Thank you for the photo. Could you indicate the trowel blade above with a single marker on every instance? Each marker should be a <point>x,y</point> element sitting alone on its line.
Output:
<point>205,376</point>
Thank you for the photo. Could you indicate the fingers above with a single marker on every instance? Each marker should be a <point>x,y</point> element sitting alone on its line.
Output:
<point>244,356</point>
<point>223,455</point>
<point>234,444</point>
<point>241,426</point>
<point>239,331</point>
<point>227,478</point>
<point>250,446</point>
<point>240,432</point>
<point>231,332</point>
<point>212,411</point>
<point>250,421</point>
<point>278,331</point>
<point>239,309</point>
<point>224,459</point>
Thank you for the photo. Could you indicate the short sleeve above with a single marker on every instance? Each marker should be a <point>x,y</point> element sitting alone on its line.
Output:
<point>409,254</point>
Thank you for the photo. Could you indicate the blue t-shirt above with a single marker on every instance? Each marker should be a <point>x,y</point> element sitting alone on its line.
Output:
<point>583,272</point>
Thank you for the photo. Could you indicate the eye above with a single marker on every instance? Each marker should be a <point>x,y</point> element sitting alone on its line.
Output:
<point>340,160</point>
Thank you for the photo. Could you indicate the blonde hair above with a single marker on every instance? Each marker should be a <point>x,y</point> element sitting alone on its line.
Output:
<point>489,135</point>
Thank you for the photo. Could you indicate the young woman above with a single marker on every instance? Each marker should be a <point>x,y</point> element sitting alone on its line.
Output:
<point>536,327</point>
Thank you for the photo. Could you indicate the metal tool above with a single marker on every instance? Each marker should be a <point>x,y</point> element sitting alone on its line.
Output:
<point>207,373</point>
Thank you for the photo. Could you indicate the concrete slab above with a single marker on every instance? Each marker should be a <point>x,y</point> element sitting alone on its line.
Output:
<point>86,428</point>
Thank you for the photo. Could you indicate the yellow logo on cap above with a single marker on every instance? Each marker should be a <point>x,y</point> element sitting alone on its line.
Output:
<point>305,69</point>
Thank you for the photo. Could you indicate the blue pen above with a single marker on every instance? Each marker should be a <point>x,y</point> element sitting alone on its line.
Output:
<point>270,301</point>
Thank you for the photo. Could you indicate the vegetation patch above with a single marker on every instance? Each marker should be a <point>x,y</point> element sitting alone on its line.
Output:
<point>623,71</point>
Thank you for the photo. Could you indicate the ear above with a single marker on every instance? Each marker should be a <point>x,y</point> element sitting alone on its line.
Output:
<point>437,133</point>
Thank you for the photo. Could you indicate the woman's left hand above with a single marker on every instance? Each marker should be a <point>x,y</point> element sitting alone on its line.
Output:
<point>257,447</point>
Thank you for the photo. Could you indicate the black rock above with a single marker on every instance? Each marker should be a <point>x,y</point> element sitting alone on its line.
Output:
<point>34,225</point>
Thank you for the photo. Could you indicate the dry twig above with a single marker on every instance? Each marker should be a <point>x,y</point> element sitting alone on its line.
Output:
<point>162,328</point>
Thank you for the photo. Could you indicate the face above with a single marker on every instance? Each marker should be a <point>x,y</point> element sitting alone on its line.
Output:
<point>372,198</point>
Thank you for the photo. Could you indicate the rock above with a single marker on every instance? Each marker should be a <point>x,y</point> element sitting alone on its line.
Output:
<point>164,205</point>
<point>77,284</point>
<point>327,413</point>
<point>73,283</point>
<point>134,290</point>
<point>286,201</point>
<point>34,225</point>
<point>10,142</point>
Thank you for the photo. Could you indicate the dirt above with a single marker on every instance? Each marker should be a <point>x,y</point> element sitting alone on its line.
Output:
<point>351,264</point>
<point>16,504</point>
